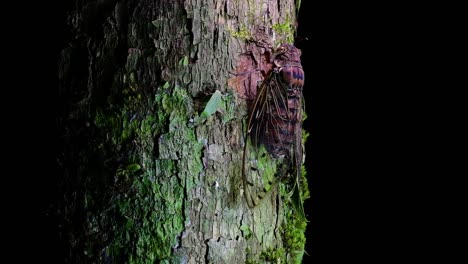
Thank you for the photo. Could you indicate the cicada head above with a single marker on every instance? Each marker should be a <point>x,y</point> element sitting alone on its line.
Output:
<point>286,53</point>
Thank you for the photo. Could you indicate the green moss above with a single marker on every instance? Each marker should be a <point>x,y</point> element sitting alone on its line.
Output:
<point>251,261</point>
<point>263,177</point>
<point>274,255</point>
<point>270,255</point>
<point>293,233</point>
<point>243,33</point>
<point>285,31</point>
<point>294,225</point>
<point>246,232</point>
<point>267,167</point>
<point>148,213</point>
<point>229,106</point>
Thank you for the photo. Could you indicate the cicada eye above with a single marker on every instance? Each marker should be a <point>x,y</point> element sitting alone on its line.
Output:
<point>282,49</point>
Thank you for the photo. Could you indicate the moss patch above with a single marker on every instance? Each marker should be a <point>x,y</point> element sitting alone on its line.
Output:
<point>285,31</point>
<point>273,255</point>
<point>148,213</point>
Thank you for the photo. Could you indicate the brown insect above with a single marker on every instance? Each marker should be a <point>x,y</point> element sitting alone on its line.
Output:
<point>275,122</point>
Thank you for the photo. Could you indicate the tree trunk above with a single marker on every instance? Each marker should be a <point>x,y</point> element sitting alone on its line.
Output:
<point>152,128</point>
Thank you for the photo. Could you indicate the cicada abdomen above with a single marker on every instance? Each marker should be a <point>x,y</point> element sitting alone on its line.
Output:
<point>275,123</point>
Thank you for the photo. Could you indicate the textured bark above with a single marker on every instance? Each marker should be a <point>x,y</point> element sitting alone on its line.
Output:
<point>151,174</point>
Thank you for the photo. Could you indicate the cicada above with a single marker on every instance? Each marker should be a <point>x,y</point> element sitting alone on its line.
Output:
<point>275,124</point>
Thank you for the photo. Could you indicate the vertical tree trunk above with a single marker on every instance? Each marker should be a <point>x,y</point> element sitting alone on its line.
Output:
<point>152,130</point>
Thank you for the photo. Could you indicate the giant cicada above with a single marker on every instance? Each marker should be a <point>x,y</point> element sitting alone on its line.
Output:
<point>275,125</point>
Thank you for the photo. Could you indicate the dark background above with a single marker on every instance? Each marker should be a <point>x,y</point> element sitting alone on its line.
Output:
<point>346,63</point>
<point>372,73</point>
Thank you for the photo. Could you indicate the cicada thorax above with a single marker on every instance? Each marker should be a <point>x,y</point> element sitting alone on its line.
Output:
<point>275,125</point>
<point>276,128</point>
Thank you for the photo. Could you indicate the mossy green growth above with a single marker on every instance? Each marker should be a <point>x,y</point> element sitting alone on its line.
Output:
<point>293,233</point>
<point>246,232</point>
<point>285,31</point>
<point>267,166</point>
<point>243,33</point>
<point>148,211</point>
<point>251,261</point>
<point>273,255</point>
<point>229,106</point>
<point>270,255</point>
<point>294,225</point>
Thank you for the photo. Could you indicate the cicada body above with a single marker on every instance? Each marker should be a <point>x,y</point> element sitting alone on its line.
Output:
<point>275,120</point>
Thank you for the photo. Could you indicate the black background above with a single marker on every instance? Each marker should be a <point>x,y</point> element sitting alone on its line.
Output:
<point>346,61</point>
<point>371,75</point>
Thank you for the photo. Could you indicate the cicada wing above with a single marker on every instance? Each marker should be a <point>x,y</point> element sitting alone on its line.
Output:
<point>263,135</point>
<point>251,176</point>
<point>296,106</point>
<point>296,193</point>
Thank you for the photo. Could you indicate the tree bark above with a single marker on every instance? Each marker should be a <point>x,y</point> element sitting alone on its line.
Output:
<point>152,132</point>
